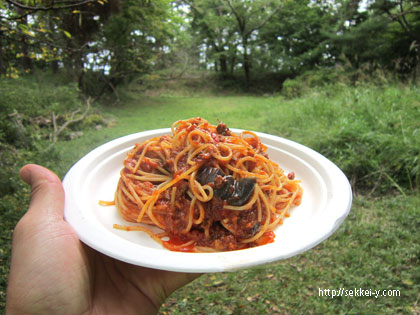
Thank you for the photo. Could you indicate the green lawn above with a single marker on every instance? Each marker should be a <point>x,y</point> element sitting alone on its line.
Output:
<point>145,113</point>
<point>371,134</point>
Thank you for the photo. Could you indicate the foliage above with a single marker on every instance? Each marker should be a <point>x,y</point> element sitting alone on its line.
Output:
<point>213,29</point>
<point>386,35</point>
<point>305,35</point>
<point>143,36</point>
<point>228,28</point>
<point>102,44</point>
<point>99,44</point>
<point>32,109</point>
<point>296,38</point>
<point>47,33</point>
<point>326,76</point>
<point>306,82</point>
<point>371,132</point>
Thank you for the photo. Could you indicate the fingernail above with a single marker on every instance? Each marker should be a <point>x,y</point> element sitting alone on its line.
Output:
<point>25,174</point>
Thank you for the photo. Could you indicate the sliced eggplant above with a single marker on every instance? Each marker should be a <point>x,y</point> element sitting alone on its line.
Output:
<point>235,192</point>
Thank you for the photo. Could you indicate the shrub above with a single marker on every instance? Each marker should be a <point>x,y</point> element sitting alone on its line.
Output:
<point>26,125</point>
<point>370,132</point>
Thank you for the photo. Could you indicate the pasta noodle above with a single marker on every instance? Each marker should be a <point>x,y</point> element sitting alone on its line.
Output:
<point>206,187</point>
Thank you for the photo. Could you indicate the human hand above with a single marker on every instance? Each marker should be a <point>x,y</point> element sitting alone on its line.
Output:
<point>52,272</point>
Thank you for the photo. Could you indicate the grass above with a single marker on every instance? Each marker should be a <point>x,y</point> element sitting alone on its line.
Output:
<point>138,114</point>
<point>371,133</point>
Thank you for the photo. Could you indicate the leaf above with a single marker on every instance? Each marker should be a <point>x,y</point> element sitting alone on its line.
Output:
<point>254,298</point>
<point>23,27</point>
<point>30,33</point>
<point>67,34</point>
<point>413,46</point>
<point>408,282</point>
<point>218,283</point>
<point>76,12</point>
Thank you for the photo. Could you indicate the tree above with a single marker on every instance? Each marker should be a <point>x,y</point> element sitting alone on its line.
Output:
<point>296,37</point>
<point>385,35</point>
<point>403,17</point>
<point>136,40</point>
<point>28,35</point>
<point>250,17</point>
<point>214,30</point>
<point>109,40</point>
<point>230,29</point>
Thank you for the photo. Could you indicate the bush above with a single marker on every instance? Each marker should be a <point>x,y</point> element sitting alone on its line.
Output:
<point>293,88</point>
<point>370,132</point>
<point>27,129</point>
<point>28,104</point>
<point>38,95</point>
<point>310,80</point>
<point>339,75</point>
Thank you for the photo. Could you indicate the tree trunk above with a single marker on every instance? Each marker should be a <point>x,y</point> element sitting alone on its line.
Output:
<point>247,71</point>
<point>233,61</point>
<point>79,70</point>
<point>247,64</point>
<point>223,64</point>
<point>54,66</point>
<point>25,60</point>
<point>54,62</point>
<point>2,63</point>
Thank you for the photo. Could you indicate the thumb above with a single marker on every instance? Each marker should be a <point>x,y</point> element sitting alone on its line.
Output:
<point>47,193</point>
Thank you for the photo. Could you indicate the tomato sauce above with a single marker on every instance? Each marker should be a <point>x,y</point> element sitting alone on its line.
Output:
<point>176,244</point>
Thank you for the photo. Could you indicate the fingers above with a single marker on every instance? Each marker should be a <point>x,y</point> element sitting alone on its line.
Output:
<point>47,196</point>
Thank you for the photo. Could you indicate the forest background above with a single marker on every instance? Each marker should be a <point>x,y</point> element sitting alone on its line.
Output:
<point>341,77</point>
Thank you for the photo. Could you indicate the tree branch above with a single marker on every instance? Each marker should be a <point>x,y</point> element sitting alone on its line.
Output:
<point>66,5</point>
<point>265,20</point>
<point>57,131</point>
<point>241,23</point>
<point>397,19</point>
<point>403,17</point>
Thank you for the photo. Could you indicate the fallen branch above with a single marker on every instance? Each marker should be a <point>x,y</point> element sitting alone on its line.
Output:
<point>58,130</point>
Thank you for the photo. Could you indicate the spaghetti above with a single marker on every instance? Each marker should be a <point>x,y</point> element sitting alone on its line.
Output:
<point>207,188</point>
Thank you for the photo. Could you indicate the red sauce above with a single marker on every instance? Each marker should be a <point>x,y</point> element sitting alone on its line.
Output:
<point>174,244</point>
<point>266,238</point>
<point>215,137</point>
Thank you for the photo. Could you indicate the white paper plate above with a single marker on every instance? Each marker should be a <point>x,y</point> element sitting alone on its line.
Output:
<point>325,204</point>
